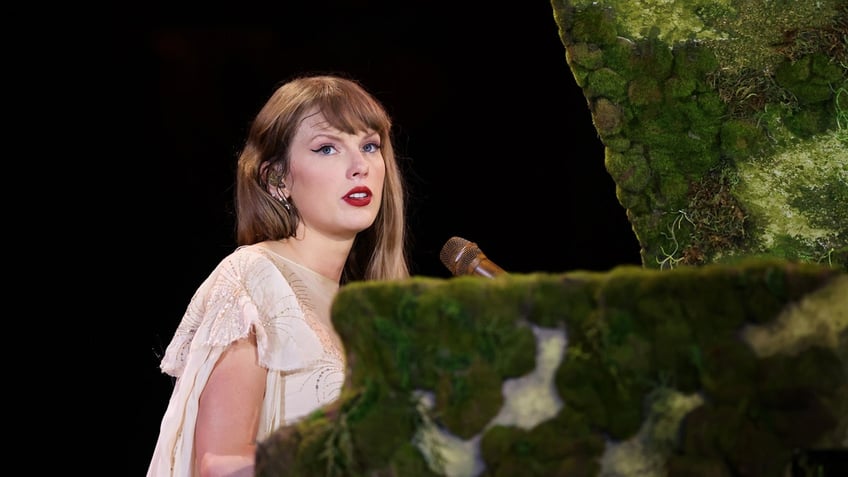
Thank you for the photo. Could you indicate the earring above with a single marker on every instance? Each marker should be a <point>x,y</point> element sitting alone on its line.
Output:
<point>276,179</point>
<point>285,203</point>
<point>282,197</point>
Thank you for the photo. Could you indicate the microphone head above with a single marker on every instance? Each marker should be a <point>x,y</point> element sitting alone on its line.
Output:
<point>457,255</point>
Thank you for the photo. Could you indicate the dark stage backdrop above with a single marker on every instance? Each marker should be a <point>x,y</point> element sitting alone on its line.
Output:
<point>495,136</point>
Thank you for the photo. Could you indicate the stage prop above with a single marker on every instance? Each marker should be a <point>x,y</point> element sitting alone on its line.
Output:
<point>718,370</point>
<point>724,123</point>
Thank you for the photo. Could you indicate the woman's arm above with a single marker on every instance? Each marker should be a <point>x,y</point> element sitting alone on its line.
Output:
<point>228,413</point>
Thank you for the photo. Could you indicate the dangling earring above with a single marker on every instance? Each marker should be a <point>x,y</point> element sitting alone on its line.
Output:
<point>277,181</point>
<point>285,203</point>
<point>282,197</point>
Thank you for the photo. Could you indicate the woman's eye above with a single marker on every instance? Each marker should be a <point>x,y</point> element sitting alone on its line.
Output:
<point>371,147</point>
<point>326,150</point>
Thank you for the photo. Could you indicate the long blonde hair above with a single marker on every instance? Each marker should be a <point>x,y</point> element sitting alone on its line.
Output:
<point>379,252</point>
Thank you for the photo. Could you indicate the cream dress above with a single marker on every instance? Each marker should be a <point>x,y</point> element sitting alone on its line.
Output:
<point>288,307</point>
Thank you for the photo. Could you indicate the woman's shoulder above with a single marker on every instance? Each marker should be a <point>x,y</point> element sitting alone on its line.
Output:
<point>247,269</point>
<point>248,253</point>
<point>246,258</point>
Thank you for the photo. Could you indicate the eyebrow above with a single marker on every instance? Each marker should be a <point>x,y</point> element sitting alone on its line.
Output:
<point>334,137</point>
<point>337,137</point>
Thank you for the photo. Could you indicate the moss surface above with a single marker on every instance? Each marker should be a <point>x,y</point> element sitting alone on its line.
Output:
<point>729,367</point>
<point>743,99</point>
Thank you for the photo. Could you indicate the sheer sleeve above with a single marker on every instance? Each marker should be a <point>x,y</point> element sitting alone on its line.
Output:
<point>246,290</point>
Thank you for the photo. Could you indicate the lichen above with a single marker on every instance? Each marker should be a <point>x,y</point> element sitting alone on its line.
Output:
<point>755,27</point>
<point>676,21</point>
<point>772,188</point>
<point>446,454</point>
<point>820,319</point>
<point>645,454</point>
<point>532,398</point>
<point>528,401</point>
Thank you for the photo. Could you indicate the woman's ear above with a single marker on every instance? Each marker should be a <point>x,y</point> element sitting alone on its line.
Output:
<point>272,179</point>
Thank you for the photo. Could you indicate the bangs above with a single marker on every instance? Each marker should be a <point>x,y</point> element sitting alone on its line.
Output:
<point>351,110</point>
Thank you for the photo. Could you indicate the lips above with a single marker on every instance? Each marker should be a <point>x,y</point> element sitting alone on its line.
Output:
<point>358,196</point>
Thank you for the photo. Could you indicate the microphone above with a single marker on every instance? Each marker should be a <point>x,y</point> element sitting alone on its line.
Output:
<point>465,258</point>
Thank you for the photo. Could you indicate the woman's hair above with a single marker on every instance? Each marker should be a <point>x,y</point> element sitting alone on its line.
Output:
<point>379,252</point>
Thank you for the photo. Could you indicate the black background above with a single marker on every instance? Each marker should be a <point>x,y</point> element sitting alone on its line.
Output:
<point>495,137</point>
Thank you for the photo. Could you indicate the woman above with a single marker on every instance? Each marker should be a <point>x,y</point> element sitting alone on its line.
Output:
<point>319,202</point>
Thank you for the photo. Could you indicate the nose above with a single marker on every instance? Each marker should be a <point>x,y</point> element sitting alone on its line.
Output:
<point>359,165</point>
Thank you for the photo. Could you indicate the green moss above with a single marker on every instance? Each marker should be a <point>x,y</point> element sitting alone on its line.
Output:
<point>585,55</point>
<point>680,139</point>
<point>550,303</point>
<point>672,192</point>
<point>407,461</point>
<point>466,401</point>
<point>632,355</point>
<point>653,236</point>
<point>644,91</point>
<point>361,430</point>
<point>808,122</point>
<point>594,23</point>
<point>629,170</point>
<point>677,87</point>
<point>633,336</point>
<point>606,83</point>
<point>607,117</point>
<point>581,76</point>
<point>816,369</point>
<point>311,447</point>
<point>279,451</point>
<point>840,102</point>
<point>657,438</point>
<point>810,79</point>
<point>592,386</point>
<point>563,443</point>
<point>310,456</point>
<point>672,352</point>
<point>696,465</point>
<point>652,57</point>
<point>634,202</point>
<point>744,82</point>
<point>711,104</point>
<point>749,446</point>
<point>739,441</point>
<point>693,62</point>
<point>727,369</point>
<point>741,139</point>
<point>816,320</point>
<point>616,143</point>
<point>617,56</point>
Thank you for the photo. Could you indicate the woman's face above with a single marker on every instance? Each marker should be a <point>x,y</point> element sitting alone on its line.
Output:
<point>335,179</point>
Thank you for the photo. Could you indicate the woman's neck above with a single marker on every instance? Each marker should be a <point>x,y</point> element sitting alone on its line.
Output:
<point>326,257</point>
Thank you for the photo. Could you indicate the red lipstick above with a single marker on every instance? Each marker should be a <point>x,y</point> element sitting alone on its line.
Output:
<point>358,196</point>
